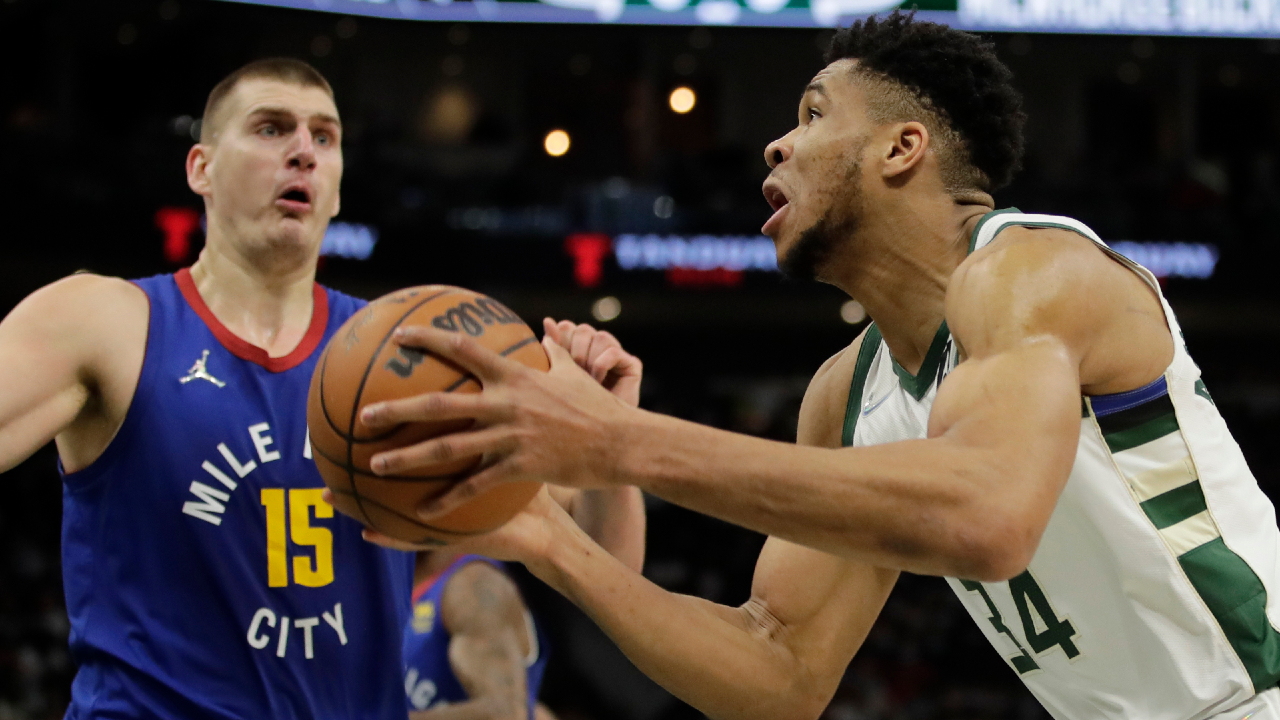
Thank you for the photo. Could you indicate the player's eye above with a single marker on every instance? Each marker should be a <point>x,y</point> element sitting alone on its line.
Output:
<point>813,114</point>
<point>269,131</point>
<point>323,138</point>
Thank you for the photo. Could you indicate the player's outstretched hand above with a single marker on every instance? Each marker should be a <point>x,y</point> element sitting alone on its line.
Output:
<point>599,353</point>
<point>560,426</point>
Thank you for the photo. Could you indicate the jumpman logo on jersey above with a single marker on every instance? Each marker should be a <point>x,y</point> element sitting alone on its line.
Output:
<point>200,371</point>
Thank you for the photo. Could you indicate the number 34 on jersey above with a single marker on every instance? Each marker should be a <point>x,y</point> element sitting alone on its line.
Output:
<point>1041,626</point>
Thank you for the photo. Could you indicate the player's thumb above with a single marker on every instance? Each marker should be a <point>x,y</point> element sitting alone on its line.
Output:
<point>556,353</point>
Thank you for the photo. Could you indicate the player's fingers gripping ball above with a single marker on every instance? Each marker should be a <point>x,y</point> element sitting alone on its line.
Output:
<point>363,365</point>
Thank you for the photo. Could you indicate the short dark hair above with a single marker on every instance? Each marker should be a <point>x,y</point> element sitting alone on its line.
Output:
<point>283,69</point>
<point>945,72</point>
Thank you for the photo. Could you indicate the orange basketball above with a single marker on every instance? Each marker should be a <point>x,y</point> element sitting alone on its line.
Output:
<point>363,365</point>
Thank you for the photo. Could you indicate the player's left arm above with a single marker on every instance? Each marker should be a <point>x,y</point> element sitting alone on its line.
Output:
<point>485,616</point>
<point>971,500</point>
<point>614,517</point>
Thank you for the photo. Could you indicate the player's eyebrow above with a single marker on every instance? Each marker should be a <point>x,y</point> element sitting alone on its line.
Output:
<point>279,112</point>
<point>816,87</point>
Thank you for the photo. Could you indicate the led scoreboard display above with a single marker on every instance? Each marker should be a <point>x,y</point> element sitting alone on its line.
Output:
<point>1226,18</point>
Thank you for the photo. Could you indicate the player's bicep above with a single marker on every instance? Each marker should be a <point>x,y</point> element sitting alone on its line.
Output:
<point>47,353</point>
<point>817,607</point>
<point>1014,420</point>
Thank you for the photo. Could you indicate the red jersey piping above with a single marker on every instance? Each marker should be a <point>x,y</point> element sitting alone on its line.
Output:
<point>243,349</point>
<point>421,588</point>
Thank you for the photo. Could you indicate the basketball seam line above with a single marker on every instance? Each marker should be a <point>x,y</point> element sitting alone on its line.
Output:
<point>324,363</point>
<point>378,438</point>
<point>355,403</point>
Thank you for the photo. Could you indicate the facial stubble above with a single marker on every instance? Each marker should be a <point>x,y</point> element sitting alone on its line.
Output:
<point>816,244</point>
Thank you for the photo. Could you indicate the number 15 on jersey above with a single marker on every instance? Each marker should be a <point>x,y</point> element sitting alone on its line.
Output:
<point>308,570</point>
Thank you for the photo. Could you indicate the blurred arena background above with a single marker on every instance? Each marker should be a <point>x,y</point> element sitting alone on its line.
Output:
<point>646,223</point>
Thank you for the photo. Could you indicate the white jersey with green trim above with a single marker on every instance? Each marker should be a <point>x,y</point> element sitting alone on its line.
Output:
<point>1155,590</point>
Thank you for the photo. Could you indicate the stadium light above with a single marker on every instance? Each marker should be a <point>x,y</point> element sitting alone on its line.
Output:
<point>683,99</point>
<point>556,143</point>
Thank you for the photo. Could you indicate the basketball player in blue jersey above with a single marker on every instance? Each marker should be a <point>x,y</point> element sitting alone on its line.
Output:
<point>472,649</point>
<point>1022,418</point>
<point>205,576</point>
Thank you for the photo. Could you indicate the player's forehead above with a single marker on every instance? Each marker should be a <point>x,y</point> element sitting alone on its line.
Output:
<point>253,95</point>
<point>834,82</point>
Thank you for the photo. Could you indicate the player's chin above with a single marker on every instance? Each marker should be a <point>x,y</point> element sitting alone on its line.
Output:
<point>294,233</point>
<point>783,243</point>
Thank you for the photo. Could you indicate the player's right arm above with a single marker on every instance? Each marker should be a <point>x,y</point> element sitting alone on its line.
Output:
<point>778,656</point>
<point>66,355</point>
<point>489,640</point>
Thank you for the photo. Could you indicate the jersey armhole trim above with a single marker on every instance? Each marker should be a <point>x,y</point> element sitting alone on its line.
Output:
<point>866,354</point>
<point>973,239</point>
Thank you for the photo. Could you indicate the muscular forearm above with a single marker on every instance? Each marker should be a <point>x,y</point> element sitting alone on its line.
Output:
<point>724,661</point>
<point>614,518</point>
<point>915,505</point>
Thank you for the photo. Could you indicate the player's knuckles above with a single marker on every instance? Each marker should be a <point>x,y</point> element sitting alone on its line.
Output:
<point>565,338</point>
<point>501,408</point>
<point>439,450</point>
<point>607,359</point>
<point>440,406</point>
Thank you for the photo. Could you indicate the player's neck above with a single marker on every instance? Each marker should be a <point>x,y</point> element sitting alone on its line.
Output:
<point>903,265</point>
<point>268,308</point>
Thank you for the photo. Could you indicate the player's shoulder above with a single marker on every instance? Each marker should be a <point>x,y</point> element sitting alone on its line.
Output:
<point>86,300</point>
<point>476,591</point>
<point>836,367</point>
<point>1021,253</point>
<point>825,400</point>
<point>1030,276</point>
<point>341,304</point>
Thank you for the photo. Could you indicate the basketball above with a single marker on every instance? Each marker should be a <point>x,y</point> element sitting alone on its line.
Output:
<point>363,365</point>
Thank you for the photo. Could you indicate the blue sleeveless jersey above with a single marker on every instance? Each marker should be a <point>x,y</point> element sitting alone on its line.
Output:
<point>204,575</point>
<point>429,681</point>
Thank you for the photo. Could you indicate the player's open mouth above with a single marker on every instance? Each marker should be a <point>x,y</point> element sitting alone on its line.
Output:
<point>296,198</point>
<point>777,200</point>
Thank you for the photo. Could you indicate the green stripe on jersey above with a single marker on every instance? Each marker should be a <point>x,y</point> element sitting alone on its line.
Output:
<point>1138,425</point>
<point>1237,599</point>
<point>1173,507</point>
<point>1142,434</point>
<point>866,354</point>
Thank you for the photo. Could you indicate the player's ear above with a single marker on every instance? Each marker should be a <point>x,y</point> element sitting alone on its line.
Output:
<point>906,148</point>
<point>198,170</point>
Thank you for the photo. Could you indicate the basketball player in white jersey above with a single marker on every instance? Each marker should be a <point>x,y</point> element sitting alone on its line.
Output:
<point>1022,418</point>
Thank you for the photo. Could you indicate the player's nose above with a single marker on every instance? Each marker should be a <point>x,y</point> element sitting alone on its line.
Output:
<point>302,151</point>
<point>778,151</point>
